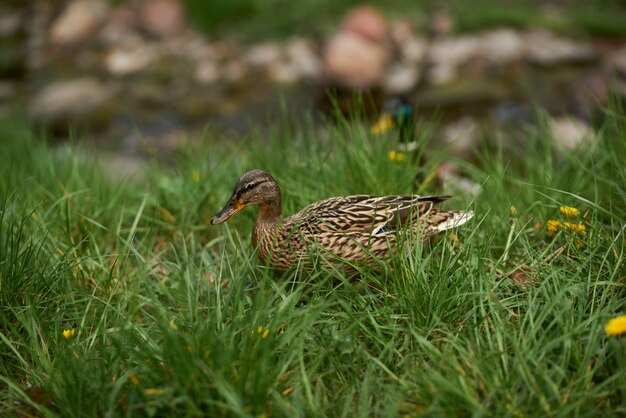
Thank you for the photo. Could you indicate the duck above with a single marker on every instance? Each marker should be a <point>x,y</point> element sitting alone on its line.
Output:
<point>353,230</point>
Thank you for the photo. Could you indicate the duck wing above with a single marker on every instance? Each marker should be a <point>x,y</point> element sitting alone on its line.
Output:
<point>363,213</point>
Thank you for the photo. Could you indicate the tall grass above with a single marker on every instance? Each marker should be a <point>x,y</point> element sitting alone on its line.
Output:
<point>174,317</point>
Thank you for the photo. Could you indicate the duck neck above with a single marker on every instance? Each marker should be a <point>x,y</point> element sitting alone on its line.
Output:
<point>266,223</point>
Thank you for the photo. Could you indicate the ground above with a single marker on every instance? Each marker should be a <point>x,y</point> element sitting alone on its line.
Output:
<point>119,298</point>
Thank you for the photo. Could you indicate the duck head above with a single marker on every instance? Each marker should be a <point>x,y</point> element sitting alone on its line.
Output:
<point>256,187</point>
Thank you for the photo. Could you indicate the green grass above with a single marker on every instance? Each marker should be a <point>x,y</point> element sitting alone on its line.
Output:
<point>251,20</point>
<point>175,317</point>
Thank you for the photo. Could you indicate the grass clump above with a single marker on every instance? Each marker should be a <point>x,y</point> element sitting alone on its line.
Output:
<point>118,299</point>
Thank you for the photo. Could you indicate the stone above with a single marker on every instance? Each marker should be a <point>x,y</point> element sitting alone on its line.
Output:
<point>78,22</point>
<point>302,56</point>
<point>446,55</point>
<point>414,50</point>
<point>400,31</point>
<point>502,46</point>
<point>162,17</point>
<point>442,74</point>
<point>264,54</point>
<point>401,78</point>
<point>454,51</point>
<point>354,61</point>
<point>207,71</point>
<point>366,22</point>
<point>284,72</point>
<point>72,98</point>
<point>129,60</point>
<point>569,132</point>
<point>545,48</point>
<point>120,28</point>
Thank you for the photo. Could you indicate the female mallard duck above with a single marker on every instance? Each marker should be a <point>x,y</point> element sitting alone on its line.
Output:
<point>352,228</point>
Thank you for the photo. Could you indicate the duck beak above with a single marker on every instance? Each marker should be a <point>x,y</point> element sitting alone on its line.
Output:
<point>231,208</point>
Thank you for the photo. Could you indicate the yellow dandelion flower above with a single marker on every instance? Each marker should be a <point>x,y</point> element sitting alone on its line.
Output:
<point>259,329</point>
<point>398,156</point>
<point>513,211</point>
<point>154,391</point>
<point>134,379</point>
<point>68,334</point>
<point>173,325</point>
<point>195,175</point>
<point>616,326</point>
<point>383,124</point>
<point>569,211</point>
<point>579,227</point>
<point>553,225</point>
<point>287,391</point>
<point>265,333</point>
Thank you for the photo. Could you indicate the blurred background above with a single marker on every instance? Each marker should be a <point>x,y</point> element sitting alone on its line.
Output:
<point>142,78</point>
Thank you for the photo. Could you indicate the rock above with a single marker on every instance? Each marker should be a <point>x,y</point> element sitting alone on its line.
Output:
<point>264,54</point>
<point>207,71</point>
<point>400,31</point>
<point>284,72</point>
<point>454,51</point>
<point>366,22</point>
<point>442,74</point>
<point>78,22</point>
<point>297,61</point>
<point>73,98</point>
<point>545,48</point>
<point>354,61</point>
<point>569,132</point>
<point>401,78</point>
<point>414,50</point>
<point>302,56</point>
<point>125,61</point>
<point>356,56</point>
<point>502,46</point>
<point>446,55</point>
<point>162,17</point>
<point>120,27</point>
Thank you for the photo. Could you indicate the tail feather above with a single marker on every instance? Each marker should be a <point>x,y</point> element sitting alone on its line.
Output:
<point>457,219</point>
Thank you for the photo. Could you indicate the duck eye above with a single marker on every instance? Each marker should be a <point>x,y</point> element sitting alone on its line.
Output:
<point>249,186</point>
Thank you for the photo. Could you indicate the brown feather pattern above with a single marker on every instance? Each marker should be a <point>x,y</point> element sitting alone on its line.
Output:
<point>348,228</point>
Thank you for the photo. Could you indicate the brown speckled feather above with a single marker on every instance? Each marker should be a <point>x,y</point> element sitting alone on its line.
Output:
<point>353,229</point>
